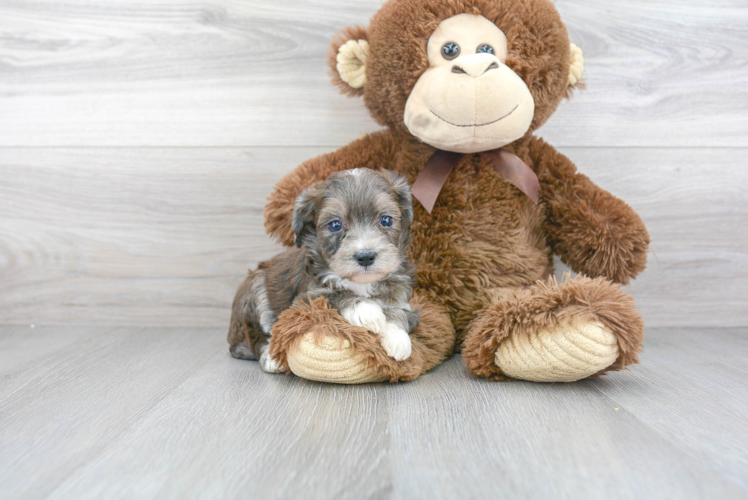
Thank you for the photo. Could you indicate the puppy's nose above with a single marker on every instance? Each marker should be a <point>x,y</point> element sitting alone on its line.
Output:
<point>366,258</point>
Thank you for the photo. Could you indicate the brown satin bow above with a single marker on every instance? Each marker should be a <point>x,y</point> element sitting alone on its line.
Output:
<point>430,181</point>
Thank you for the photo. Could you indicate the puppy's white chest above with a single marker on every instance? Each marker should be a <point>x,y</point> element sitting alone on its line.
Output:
<point>360,289</point>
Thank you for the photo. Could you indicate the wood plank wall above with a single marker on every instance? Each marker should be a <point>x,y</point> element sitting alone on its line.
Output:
<point>139,138</point>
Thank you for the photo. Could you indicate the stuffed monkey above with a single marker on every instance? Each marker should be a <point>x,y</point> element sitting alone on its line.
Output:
<point>459,87</point>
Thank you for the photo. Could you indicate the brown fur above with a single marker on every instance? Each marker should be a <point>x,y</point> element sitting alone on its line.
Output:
<point>283,278</point>
<point>484,234</point>
<point>243,327</point>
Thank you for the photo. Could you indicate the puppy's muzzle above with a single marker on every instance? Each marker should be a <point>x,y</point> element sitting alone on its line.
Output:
<point>365,258</point>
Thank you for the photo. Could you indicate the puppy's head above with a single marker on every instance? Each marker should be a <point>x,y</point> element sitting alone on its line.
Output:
<point>357,222</point>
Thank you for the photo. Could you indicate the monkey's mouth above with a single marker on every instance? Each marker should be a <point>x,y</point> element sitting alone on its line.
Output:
<point>476,124</point>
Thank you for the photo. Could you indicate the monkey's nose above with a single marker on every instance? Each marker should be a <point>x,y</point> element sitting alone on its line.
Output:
<point>474,68</point>
<point>366,258</point>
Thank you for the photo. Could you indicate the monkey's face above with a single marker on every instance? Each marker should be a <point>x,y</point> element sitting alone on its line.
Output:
<point>460,75</point>
<point>468,100</point>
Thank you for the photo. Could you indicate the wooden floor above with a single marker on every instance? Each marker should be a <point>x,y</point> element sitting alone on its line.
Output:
<point>167,413</point>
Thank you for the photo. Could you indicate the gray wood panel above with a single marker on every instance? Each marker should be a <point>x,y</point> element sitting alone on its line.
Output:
<point>149,236</point>
<point>527,440</point>
<point>76,400</point>
<point>234,431</point>
<point>710,366</point>
<point>166,413</point>
<point>29,351</point>
<point>133,73</point>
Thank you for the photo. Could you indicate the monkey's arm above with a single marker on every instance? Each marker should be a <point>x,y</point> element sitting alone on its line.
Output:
<point>592,231</point>
<point>373,150</point>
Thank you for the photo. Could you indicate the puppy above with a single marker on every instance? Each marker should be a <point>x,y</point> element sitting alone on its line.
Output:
<point>352,231</point>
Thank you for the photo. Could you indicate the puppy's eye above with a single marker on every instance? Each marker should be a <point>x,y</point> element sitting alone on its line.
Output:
<point>335,226</point>
<point>450,50</point>
<point>485,48</point>
<point>385,221</point>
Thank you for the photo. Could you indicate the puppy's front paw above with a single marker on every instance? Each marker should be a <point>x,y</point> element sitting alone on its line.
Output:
<point>396,342</point>
<point>368,315</point>
<point>267,363</point>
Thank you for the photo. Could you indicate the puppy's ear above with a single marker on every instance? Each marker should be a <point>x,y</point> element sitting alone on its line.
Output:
<point>304,219</point>
<point>401,189</point>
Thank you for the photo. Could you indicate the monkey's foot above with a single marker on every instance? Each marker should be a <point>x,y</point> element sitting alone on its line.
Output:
<point>564,353</point>
<point>554,332</point>
<point>315,342</point>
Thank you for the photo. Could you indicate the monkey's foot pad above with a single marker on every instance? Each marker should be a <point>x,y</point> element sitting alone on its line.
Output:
<point>566,353</point>
<point>330,360</point>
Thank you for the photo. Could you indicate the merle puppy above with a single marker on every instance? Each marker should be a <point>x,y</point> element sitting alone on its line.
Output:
<point>352,232</point>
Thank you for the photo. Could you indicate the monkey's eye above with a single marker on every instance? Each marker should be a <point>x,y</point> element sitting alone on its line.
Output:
<point>450,50</point>
<point>485,48</point>
<point>385,221</point>
<point>335,226</point>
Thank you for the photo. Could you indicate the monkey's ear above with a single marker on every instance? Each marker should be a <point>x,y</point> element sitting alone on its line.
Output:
<point>576,67</point>
<point>304,218</point>
<point>347,60</point>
